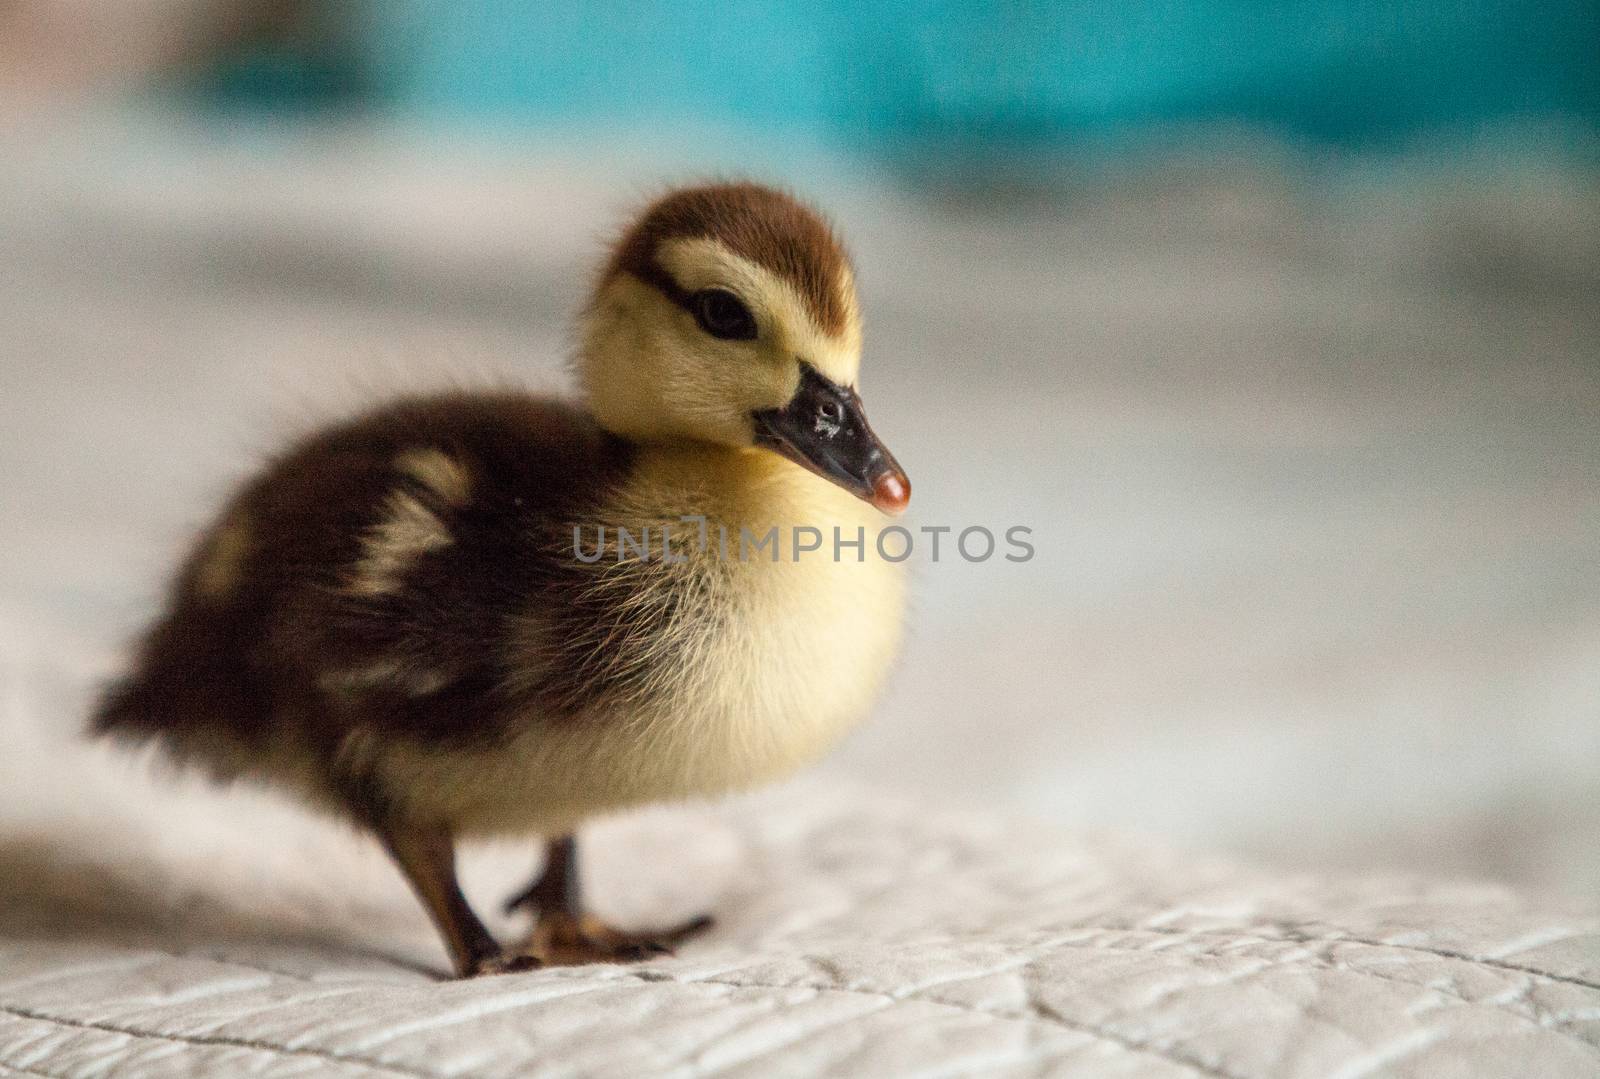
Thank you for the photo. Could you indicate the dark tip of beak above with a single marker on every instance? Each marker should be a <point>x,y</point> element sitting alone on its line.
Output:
<point>891,492</point>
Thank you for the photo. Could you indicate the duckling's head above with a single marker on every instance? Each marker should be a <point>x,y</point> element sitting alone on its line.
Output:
<point>727,314</point>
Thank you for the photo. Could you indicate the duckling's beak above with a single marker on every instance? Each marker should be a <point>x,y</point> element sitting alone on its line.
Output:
<point>825,429</point>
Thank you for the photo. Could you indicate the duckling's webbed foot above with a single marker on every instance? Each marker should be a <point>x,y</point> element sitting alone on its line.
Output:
<point>506,962</point>
<point>561,940</point>
<point>565,936</point>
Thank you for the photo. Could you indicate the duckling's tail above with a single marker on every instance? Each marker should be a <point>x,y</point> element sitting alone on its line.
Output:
<point>125,710</point>
<point>193,719</point>
<point>183,689</point>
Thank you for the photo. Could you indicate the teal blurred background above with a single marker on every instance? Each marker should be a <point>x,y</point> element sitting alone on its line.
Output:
<point>965,76</point>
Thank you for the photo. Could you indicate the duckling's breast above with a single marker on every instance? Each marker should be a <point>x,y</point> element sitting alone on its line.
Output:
<point>733,662</point>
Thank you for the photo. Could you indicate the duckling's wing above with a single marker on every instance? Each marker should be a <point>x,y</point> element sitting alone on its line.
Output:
<point>378,574</point>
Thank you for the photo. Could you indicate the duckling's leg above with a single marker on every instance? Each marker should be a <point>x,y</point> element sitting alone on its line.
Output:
<point>427,856</point>
<point>563,935</point>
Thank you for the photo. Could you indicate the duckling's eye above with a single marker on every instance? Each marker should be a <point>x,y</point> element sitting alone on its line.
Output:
<point>722,314</point>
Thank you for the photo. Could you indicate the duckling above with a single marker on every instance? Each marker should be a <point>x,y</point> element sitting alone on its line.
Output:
<point>437,621</point>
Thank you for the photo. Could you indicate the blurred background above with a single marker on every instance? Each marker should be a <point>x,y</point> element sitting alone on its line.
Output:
<point>1276,323</point>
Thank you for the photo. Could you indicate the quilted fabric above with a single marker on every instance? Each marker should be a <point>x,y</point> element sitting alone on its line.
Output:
<point>176,931</point>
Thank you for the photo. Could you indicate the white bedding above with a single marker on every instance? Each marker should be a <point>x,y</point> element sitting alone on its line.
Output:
<point>185,933</point>
<point>152,926</point>
<point>1317,486</point>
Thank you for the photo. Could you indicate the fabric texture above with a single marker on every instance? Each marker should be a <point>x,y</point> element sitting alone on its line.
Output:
<point>152,926</point>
